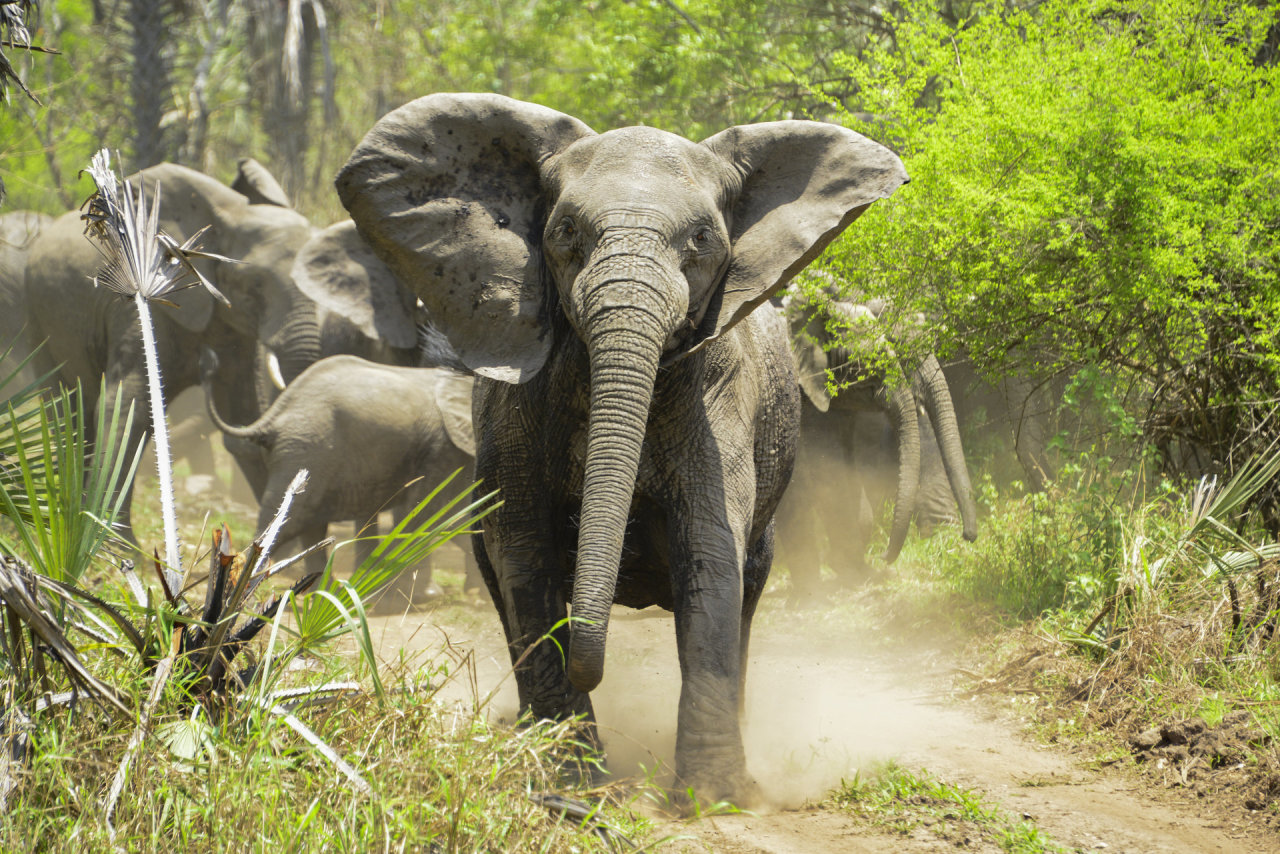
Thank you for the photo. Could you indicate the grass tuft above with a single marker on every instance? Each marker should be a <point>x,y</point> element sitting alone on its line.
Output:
<point>892,797</point>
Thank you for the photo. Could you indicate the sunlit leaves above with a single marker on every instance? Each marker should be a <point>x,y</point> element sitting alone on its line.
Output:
<point>1092,184</point>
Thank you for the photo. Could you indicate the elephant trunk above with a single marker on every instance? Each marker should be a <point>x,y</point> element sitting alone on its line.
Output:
<point>902,412</point>
<point>296,343</point>
<point>249,433</point>
<point>624,364</point>
<point>942,414</point>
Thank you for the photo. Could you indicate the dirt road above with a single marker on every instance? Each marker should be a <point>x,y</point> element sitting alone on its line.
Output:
<point>820,707</point>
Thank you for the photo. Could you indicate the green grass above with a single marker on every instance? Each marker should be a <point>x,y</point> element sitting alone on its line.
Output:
<point>443,779</point>
<point>219,773</point>
<point>904,802</point>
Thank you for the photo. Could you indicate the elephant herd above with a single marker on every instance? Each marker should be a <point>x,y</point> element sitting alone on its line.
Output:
<point>592,321</point>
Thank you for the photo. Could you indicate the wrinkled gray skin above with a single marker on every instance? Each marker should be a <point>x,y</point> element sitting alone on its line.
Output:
<point>93,332</point>
<point>363,431</point>
<point>18,230</point>
<point>381,321</point>
<point>379,317</point>
<point>847,448</point>
<point>637,417</point>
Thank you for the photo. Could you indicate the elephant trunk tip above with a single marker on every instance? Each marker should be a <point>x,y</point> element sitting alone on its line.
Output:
<point>584,670</point>
<point>970,532</point>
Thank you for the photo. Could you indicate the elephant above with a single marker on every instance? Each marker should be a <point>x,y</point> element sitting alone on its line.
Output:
<point>636,413</point>
<point>90,333</point>
<point>1019,411</point>
<point>850,442</point>
<point>363,430</point>
<point>337,258</point>
<point>18,231</point>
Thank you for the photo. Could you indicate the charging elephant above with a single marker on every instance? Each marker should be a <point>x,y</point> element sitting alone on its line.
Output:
<point>844,454</point>
<point>636,415</point>
<point>90,332</point>
<point>372,437</point>
<point>18,231</point>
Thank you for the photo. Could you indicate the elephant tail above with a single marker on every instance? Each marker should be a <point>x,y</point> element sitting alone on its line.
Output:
<point>254,433</point>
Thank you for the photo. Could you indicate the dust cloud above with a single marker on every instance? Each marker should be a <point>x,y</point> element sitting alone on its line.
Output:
<point>820,707</point>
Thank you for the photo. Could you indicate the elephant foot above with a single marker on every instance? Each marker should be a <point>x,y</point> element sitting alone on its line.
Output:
<point>707,794</point>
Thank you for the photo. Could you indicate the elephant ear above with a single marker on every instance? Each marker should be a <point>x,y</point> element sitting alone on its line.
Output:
<point>448,191</point>
<point>799,184</point>
<point>337,269</point>
<point>453,397</point>
<point>255,183</point>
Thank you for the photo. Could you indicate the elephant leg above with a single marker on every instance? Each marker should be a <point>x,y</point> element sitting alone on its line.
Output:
<point>490,580</point>
<point>307,537</point>
<point>252,463</point>
<point>754,576</point>
<point>708,590</point>
<point>472,580</point>
<point>421,587</point>
<point>414,585</point>
<point>397,595</point>
<point>851,540</point>
<point>367,538</point>
<point>297,533</point>
<point>799,528</point>
<point>531,599</point>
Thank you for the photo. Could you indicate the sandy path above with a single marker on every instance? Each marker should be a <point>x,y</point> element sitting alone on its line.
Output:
<point>818,709</point>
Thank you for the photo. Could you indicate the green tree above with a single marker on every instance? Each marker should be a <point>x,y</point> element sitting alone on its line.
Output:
<point>1095,189</point>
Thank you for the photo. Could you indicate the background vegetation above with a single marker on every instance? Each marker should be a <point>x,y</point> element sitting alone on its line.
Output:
<point>1095,193</point>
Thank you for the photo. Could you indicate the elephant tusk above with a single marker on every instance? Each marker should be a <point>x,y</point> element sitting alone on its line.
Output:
<point>273,370</point>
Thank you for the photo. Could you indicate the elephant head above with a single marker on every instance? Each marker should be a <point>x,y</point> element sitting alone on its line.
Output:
<point>818,354</point>
<point>502,215</point>
<point>361,308</point>
<point>249,225</point>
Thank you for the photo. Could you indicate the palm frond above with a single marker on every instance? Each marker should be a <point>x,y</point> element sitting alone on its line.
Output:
<point>25,608</point>
<point>14,33</point>
<point>62,494</point>
<point>140,259</point>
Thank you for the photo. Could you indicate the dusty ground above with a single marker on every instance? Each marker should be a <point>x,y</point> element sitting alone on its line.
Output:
<point>821,705</point>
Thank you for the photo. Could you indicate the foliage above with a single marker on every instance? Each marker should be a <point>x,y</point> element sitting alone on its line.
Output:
<point>1092,187</point>
<point>144,263</point>
<point>422,530</point>
<point>13,34</point>
<point>446,779</point>
<point>690,67</point>
<point>61,497</point>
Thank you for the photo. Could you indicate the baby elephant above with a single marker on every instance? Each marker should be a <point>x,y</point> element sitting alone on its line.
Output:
<point>362,430</point>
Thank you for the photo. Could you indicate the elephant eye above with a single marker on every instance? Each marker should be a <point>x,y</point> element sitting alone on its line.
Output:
<point>701,237</point>
<point>567,228</point>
